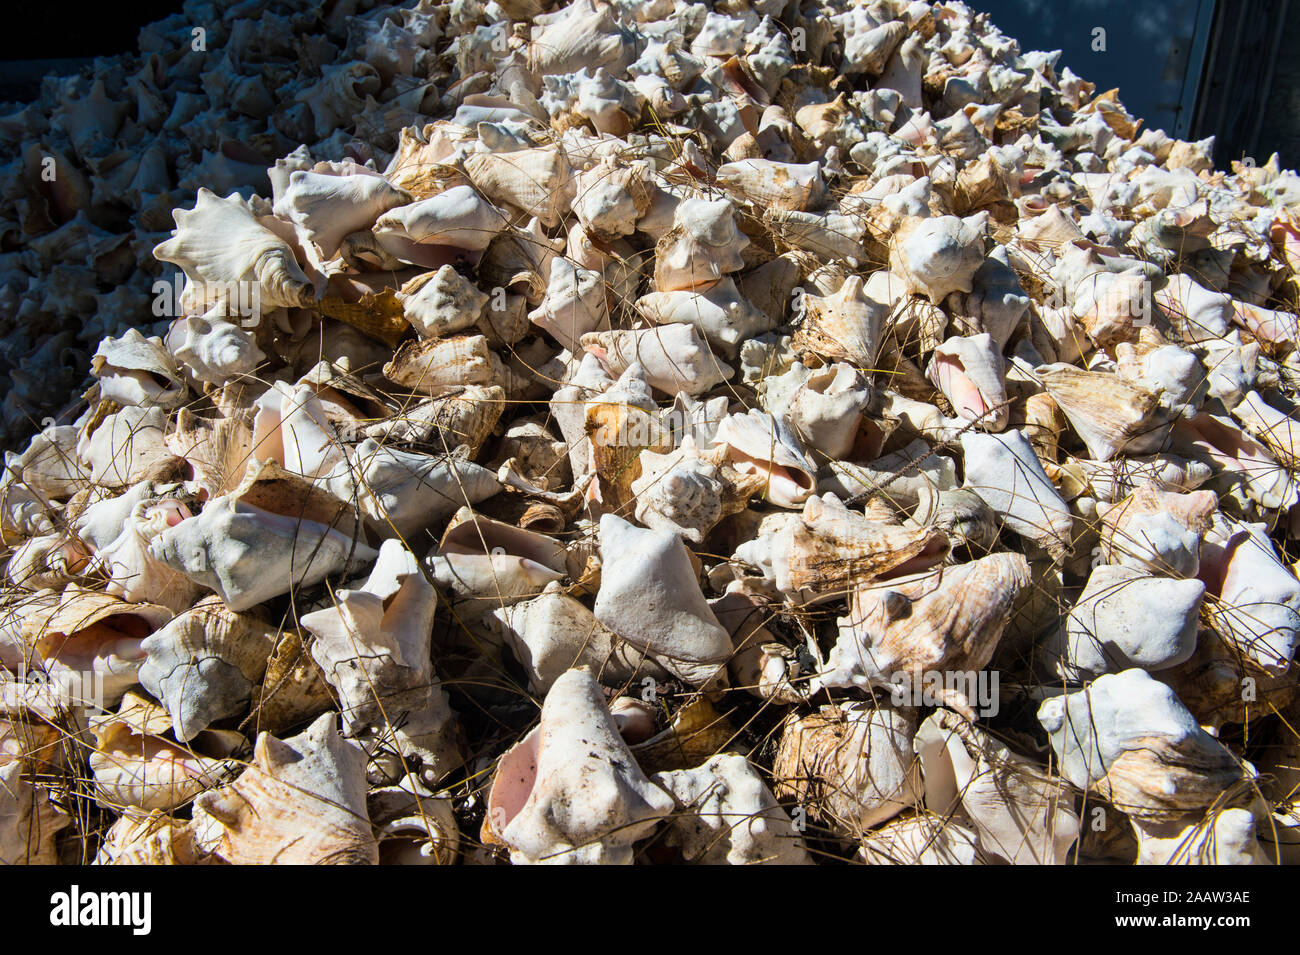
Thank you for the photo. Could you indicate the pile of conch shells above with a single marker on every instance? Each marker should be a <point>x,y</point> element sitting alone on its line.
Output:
<point>757,432</point>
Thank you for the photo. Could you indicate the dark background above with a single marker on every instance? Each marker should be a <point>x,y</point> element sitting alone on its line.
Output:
<point>1194,68</point>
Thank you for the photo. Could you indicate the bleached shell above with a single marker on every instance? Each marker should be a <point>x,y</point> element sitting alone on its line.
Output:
<point>126,447</point>
<point>570,792</point>
<point>575,304</point>
<point>1022,816</point>
<point>1108,412</point>
<point>153,839</point>
<point>827,551</point>
<point>834,236</point>
<point>823,407</point>
<point>212,349</point>
<point>292,429</point>
<point>1237,457</point>
<point>49,464</point>
<point>681,491</point>
<point>403,492</point>
<point>413,827</point>
<point>970,373</point>
<point>493,563</point>
<point>728,816</point>
<point>610,197</point>
<point>846,326</point>
<point>47,561</point>
<point>520,259</point>
<point>1125,618</point>
<point>216,451</point>
<point>129,369</point>
<point>93,639</point>
<point>1223,837</point>
<point>1276,429</point>
<point>133,573</point>
<point>248,555</point>
<point>301,801</point>
<point>946,620</point>
<point>135,766</point>
<point>219,244</point>
<point>458,218</point>
<point>1198,313</point>
<point>552,633</point>
<point>935,257</point>
<point>675,357</point>
<point>373,646</point>
<point>851,766</point>
<point>756,444</point>
<point>1130,739</point>
<point>204,664</point>
<point>578,36</point>
<point>329,207</point>
<point>539,181</point>
<point>766,184</point>
<point>703,245</point>
<point>718,310</point>
<point>1157,531</point>
<point>650,596</point>
<point>1005,472</point>
<point>464,416</point>
<point>1258,607</point>
<point>922,840</point>
<point>442,303</point>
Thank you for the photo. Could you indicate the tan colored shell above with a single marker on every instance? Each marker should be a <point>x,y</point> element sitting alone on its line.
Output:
<point>1110,413</point>
<point>434,365</point>
<point>850,767</point>
<point>846,326</point>
<point>302,801</point>
<point>538,181</point>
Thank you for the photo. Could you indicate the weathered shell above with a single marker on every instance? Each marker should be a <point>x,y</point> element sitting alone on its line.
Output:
<point>935,257</point>
<point>204,664</point>
<point>302,801</point>
<point>442,303</point>
<point>570,792</point>
<point>846,326</point>
<point>539,182</point>
<point>756,444</point>
<point>488,562</point>
<point>849,766</point>
<point>717,309</point>
<point>970,373</point>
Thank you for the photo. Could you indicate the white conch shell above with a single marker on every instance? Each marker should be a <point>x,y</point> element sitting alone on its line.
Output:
<point>133,572</point>
<point>291,429</point>
<point>212,349</point>
<point>1238,457</point>
<point>850,766</point>
<point>1004,470</point>
<point>403,492</point>
<point>650,596</point>
<point>717,309</point>
<point>204,664</point>
<point>553,633</point>
<point>1223,837</point>
<point>374,648</point>
<point>437,366</point>
<point>248,555</point>
<point>459,218</point>
<point>126,448</point>
<point>703,245</point>
<point>442,303</point>
<point>413,827</point>
<point>1132,741</point>
<point>970,373</point>
<point>728,816</point>
<point>575,304</point>
<point>135,766</point>
<point>328,207</point>
<point>301,801</point>
<point>1258,606</point>
<point>674,358</point>
<point>611,196</point>
<point>756,444</point>
<point>947,620</point>
<point>219,244</point>
<point>488,561</point>
<point>1021,815</point>
<point>129,369</point>
<point>937,256</point>
<point>822,407</point>
<point>1125,618</point>
<point>570,792</point>
<point>1277,430</point>
<point>1157,531</point>
<point>681,491</point>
